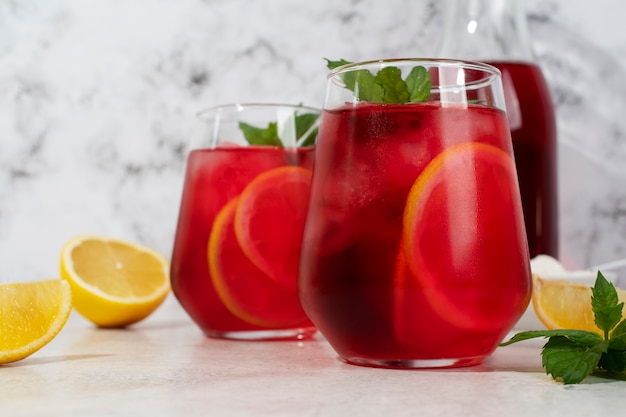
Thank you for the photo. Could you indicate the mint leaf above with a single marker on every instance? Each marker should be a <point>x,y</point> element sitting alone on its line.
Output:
<point>613,360</point>
<point>360,82</point>
<point>571,361</point>
<point>363,85</point>
<point>572,355</point>
<point>606,310</point>
<point>304,123</point>
<point>394,88</point>
<point>618,337</point>
<point>269,136</point>
<point>387,86</point>
<point>331,65</point>
<point>259,136</point>
<point>418,83</point>
<point>581,337</point>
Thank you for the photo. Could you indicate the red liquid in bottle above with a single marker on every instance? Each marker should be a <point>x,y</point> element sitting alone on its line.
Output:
<point>533,130</point>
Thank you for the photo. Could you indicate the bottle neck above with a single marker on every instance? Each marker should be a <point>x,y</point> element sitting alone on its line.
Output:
<point>488,30</point>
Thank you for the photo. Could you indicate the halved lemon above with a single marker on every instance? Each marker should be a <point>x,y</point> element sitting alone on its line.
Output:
<point>464,237</point>
<point>114,283</point>
<point>269,221</point>
<point>31,315</point>
<point>561,304</point>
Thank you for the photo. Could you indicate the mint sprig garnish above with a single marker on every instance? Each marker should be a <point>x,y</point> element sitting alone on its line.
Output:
<point>573,355</point>
<point>387,85</point>
<point>305,133</point>
<point>261,136</point>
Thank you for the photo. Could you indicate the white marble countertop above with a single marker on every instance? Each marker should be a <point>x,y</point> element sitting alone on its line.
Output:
<point>164,366</point>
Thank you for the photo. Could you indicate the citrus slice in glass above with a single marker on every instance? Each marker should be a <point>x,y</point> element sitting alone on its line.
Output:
<point>464,237</point>
<point>31,315</point>
<point>269,222</point>
<point>561,304</point>
<point>114,283</point>
<point>245,290</point>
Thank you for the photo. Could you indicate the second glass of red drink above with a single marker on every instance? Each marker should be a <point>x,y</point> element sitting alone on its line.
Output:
<point>237,245</point>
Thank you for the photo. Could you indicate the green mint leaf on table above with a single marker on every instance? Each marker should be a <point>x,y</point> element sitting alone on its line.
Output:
<point>387,85</point>
<point>571,361</point>
<point>618,336</point>
<point>615,358</point>
<point>613,361</point>
<point>606,310</point>
<point>579,337</point>
<point>573,355</point>
<point>269,136</point>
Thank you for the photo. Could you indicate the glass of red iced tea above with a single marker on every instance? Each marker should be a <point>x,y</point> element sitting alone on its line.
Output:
<point>236,251</point>
<point>414,252</point>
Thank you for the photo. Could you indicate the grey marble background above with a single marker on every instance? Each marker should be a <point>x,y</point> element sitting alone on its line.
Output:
<point>97,100</point>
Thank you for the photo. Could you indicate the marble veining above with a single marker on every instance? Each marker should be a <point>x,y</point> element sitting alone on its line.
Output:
<point>97,100</point>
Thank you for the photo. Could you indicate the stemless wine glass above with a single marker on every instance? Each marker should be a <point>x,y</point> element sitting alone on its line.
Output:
<point>236,252</point>
<point>414,253</point>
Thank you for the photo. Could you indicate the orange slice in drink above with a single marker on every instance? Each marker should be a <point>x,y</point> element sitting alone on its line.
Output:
<point>464,240</point>
<point>244,289</point>
<point>269,222</point>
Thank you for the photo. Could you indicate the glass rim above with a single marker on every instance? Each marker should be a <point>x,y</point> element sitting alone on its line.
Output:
<point>490,71</point>
<point>241,106</point>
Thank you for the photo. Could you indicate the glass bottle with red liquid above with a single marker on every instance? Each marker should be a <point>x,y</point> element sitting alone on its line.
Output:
<point>495,31</point>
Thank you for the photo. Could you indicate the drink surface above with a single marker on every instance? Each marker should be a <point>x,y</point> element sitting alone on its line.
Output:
<point>533,130</point>
<point>414,246</point>
<point>217,279</point>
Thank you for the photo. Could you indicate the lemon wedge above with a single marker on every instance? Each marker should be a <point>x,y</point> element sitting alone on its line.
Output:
<point>31,315</point>
<point>562,304</point>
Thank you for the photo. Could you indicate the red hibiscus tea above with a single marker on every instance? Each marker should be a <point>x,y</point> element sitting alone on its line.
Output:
<point>236,253</point>
<point>415,252</point>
